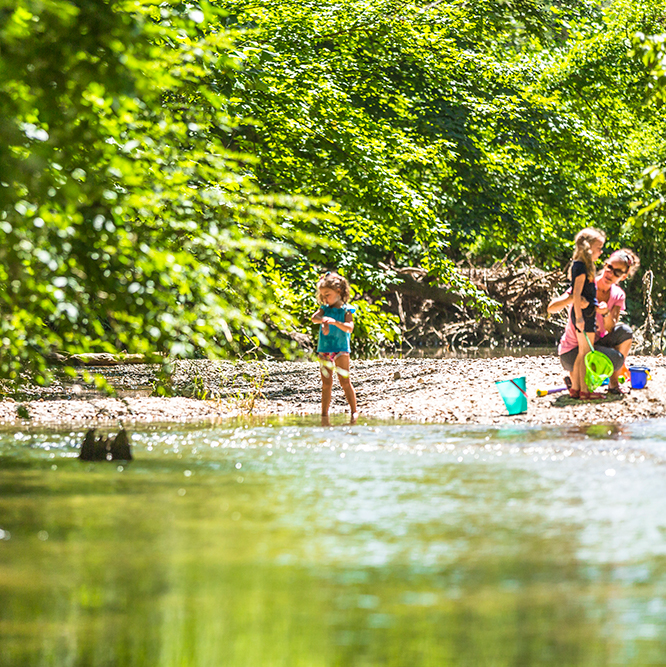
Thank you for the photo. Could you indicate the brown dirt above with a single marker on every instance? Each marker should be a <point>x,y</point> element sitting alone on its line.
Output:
<point>431,390</point>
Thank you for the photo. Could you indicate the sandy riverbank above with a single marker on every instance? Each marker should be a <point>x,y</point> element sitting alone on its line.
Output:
<point>432,390</point>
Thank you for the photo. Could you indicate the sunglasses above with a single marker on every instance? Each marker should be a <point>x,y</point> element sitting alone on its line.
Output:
<point>616,272</point>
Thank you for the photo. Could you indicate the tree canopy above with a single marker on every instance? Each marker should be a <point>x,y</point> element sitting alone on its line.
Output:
<point>127,223</point>
<point>174,176</point>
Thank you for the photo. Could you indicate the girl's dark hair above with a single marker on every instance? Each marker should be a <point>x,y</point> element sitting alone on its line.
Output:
<point>336,282</point>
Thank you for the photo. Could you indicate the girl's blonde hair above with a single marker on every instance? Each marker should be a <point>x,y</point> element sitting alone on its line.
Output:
<point>629,257</point>
<point>583,248</point>
<point>334,281</point>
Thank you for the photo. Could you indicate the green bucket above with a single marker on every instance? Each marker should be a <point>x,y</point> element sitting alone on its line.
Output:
<point>514,394</point>
<point>598,367</point>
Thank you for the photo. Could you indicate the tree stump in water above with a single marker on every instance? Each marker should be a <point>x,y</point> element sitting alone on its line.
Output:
<point>105,448</point>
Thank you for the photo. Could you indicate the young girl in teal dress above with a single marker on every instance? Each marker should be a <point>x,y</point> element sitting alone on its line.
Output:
<point>337,323</point>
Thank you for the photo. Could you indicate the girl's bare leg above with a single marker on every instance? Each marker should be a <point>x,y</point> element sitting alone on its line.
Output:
<point>326,370</point>
<point>623,348</point>
<point>342,363</point>
<point>579,365</point>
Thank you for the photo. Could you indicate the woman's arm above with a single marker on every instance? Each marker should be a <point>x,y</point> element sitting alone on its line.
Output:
<point>559,303</point>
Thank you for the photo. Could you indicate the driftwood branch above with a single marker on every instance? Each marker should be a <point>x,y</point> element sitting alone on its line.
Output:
<point>421,289</point>
<point>433,315</point>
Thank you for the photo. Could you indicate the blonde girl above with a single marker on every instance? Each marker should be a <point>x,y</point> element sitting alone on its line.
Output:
<point>588,245</point>
<point>337,322</point>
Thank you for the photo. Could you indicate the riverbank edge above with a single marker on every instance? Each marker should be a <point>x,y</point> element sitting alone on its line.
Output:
<point>444,391</point>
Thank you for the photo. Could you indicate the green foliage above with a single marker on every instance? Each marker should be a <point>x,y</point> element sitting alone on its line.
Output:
<point>342,98</point>
<point>375,330</point>
<point>174,177</point>
<point>647,227</point>
<point>127,223</point>
<point>448,130</point>
<point>651,52</point>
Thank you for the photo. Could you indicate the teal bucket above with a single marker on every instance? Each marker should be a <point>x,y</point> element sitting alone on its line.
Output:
<point>514,394</point>
<point>639,376</point>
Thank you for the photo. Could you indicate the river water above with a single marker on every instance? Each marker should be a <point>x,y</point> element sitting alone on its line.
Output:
<point>287,543</point>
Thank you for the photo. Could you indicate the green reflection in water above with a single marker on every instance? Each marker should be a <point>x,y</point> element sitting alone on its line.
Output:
<point>289,544</point>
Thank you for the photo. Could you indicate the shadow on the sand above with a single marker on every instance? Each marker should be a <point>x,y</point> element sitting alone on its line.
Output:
<point>565,399</point>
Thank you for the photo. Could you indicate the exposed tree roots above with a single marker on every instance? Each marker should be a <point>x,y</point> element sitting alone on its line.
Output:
<point>434,316</point>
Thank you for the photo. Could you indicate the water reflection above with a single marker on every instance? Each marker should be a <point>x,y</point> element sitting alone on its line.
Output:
<point>285,542</point>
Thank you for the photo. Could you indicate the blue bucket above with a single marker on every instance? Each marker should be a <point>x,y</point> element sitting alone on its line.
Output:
<point>639,376</point>
<point>514,394</point>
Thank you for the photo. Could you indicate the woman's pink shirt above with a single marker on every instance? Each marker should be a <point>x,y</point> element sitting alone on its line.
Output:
<point>569,341</point>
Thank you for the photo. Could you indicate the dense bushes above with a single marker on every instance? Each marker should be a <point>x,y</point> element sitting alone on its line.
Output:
<point>175,176</point>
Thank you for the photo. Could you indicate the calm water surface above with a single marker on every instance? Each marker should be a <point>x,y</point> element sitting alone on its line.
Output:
<point>287,543</point>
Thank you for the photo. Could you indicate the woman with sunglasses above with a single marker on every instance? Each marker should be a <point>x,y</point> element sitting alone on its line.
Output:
<point>613,337</point>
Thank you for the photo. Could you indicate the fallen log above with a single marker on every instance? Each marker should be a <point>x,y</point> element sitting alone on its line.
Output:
<point>409,286</point>
<point>105,359</point>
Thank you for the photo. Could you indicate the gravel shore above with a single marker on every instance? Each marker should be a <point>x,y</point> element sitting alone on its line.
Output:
<point>427,390</point>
